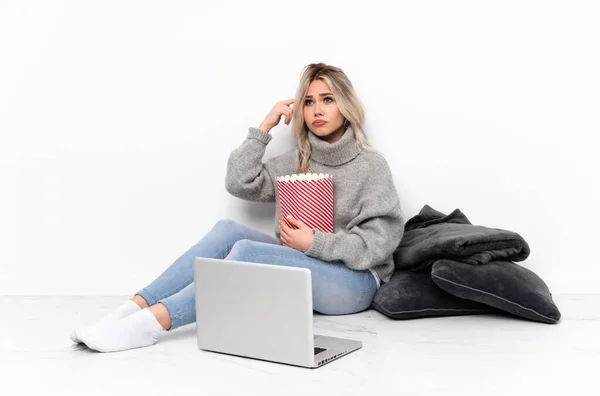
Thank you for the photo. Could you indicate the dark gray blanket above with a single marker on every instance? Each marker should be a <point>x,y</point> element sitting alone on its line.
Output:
<point>432,235</point>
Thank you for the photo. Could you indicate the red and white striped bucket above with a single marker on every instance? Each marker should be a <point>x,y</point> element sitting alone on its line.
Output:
<point>307,197</point>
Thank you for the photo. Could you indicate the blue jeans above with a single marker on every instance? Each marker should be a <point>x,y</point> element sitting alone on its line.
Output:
<point>336,289</point>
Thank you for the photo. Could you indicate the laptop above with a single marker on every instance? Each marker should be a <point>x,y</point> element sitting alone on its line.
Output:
<point>261,311</point>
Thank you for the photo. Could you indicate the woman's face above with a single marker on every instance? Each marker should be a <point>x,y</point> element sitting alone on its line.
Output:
<point>320,105</point>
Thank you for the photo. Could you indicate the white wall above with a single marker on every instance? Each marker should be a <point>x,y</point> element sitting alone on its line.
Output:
<point>117,118</point>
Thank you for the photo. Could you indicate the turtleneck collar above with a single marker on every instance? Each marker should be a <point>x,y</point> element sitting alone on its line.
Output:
<point>333,154</point>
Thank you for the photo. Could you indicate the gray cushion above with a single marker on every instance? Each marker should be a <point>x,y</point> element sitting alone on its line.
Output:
<point>410,295</point>
<point>501,284</point>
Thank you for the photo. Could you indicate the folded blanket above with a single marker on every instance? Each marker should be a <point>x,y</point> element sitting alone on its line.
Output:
<point>432,235</point>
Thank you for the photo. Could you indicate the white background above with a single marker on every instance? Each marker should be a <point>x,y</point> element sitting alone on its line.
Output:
<point>117,119</point>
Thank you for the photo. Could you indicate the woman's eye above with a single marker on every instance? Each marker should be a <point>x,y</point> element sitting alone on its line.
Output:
<point>310,100</point>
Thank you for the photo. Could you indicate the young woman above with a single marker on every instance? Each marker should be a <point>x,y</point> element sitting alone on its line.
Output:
<point>347,266</point>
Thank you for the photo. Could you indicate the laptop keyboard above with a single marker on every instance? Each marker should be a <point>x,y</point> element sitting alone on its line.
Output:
<point>319,350</point>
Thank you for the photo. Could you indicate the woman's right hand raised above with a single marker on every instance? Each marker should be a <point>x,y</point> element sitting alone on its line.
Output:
<point>280,109</point>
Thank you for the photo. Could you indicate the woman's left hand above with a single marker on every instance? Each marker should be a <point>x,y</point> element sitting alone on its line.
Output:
<point>299,239</point>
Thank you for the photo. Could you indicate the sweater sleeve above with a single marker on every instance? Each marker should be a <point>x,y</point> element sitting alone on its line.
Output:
<point>369,239</point>
<point>247,176</point>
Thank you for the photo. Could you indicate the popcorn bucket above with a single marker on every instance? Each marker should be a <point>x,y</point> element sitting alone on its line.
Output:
<point>307,197</point>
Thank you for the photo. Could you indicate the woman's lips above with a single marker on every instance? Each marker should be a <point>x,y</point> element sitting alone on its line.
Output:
<point>319,123</point>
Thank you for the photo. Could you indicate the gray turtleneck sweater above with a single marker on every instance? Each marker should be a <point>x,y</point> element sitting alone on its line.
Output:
<point>368,222</point>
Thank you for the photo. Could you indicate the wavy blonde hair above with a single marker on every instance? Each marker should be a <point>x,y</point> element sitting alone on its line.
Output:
<point>347,101</point>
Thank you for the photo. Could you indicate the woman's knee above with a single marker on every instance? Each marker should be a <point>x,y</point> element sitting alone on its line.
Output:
<point>226,223</point>
<point>241,248</point>
<point>231,228</point>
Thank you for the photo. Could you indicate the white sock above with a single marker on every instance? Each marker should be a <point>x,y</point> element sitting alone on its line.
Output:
<point>138,330</point>
<point>123,310</point>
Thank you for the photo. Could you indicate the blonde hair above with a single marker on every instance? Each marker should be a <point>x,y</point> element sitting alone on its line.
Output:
<point>347,101</point>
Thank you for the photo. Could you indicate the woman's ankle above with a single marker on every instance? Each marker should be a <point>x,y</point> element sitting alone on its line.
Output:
<point>161,314</point>
<point>139,300</point>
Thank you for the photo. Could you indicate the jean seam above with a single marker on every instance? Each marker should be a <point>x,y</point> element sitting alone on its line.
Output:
<point>173,315</point>
<point>362,297</point>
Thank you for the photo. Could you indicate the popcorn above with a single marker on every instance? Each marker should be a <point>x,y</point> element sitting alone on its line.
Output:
<point>303,176</point>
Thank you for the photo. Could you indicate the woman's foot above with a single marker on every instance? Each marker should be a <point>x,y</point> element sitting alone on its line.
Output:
<point>138,330</point>
<point>127,308</point>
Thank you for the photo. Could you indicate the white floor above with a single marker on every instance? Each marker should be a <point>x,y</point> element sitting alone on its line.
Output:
<point>468,355</point>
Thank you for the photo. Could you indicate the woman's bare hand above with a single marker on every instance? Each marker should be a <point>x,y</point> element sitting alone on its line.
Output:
<point>280,109</point>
